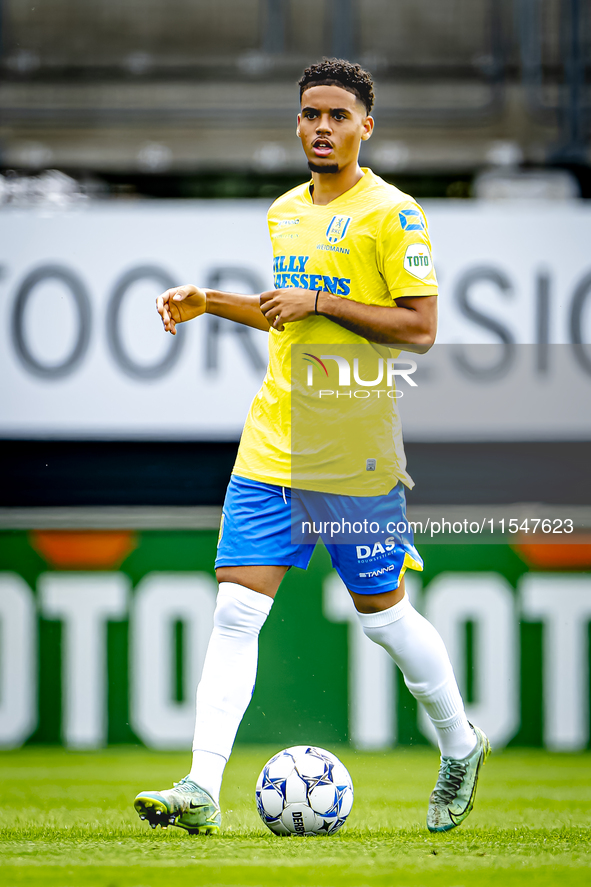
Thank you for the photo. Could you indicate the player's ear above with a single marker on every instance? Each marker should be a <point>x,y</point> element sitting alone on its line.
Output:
<point>298,125</point>
<point>368,125</point>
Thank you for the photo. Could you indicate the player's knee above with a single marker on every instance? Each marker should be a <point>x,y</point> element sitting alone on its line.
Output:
<point>240,609</point>
<point>376,603</point>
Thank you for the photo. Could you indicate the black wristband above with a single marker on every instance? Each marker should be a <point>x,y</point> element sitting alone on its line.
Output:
<point>316,301</point>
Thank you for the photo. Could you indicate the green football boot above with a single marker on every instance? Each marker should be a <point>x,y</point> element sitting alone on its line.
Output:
<point>452,798</point>
<point>186,805</point>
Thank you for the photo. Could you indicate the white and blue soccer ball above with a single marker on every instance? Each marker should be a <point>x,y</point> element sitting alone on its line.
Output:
<point>304,790</point>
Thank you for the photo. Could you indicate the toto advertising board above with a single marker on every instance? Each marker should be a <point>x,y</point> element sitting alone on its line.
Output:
<point>83,354</point>
<point>104,634</point>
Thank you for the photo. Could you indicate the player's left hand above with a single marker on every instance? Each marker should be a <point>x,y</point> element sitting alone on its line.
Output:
<point>286,306</point>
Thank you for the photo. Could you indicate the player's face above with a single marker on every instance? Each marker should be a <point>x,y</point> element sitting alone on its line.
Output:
<point>331,125</point>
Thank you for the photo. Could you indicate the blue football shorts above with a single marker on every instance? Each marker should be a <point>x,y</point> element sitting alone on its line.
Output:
<point>368,537</point>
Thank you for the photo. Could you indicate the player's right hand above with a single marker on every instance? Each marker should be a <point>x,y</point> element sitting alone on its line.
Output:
<point>179,304</point>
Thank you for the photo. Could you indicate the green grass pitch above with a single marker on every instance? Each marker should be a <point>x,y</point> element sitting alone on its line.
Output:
<point>66,820</point>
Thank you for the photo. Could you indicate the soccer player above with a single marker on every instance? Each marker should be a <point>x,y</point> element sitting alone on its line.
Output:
<point>345,274</point>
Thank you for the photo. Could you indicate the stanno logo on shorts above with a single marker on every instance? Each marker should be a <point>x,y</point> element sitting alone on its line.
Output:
<point>337,229</point>
<point>373,573</point>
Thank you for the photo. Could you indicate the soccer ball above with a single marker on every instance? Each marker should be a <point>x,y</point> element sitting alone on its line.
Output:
<point>304,790</point>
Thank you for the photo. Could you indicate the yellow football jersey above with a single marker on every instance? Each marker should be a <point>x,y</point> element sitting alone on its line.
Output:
<point>370,245</point>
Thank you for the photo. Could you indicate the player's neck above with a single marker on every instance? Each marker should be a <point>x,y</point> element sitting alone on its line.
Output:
<point>329,186</point>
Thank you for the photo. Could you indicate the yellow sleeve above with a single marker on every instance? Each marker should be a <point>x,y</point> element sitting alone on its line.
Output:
<point>404,252</point>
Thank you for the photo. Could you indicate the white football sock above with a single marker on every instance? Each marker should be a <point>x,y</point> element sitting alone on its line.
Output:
<point>227,681</point>
<point>207,770</point>
<point>417,649</point>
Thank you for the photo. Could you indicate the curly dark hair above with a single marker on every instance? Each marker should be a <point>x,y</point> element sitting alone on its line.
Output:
<point>338,72</point>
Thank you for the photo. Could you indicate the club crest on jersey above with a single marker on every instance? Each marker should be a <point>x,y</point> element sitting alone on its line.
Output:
<point>337,229</point>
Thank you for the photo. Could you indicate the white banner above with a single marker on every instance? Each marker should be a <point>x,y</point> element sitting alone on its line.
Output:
<point>82,352</point>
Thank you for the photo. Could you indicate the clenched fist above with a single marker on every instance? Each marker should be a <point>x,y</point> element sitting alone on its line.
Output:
<point>179,304</point>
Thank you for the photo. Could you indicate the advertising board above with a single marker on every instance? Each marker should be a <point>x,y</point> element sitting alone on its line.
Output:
<point>83,355</point>
<point>103,635</point>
